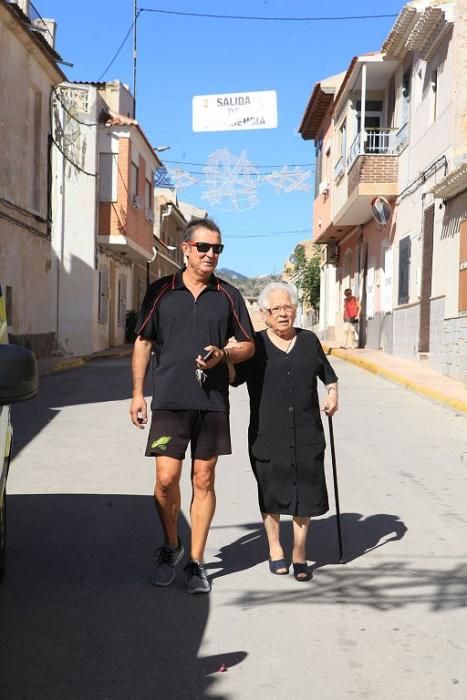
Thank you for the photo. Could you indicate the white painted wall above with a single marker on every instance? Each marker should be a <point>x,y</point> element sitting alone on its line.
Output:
<point>74,201</point>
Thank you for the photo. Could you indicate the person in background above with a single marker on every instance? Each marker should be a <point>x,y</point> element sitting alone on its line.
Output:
<point>285,435</point>
<point>351,317</point>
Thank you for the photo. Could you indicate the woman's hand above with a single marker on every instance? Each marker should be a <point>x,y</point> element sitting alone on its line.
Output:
<point>331,403</point>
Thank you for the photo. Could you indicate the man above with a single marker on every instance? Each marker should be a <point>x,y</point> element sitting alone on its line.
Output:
<point>186,317</point>
<point>351,316</point>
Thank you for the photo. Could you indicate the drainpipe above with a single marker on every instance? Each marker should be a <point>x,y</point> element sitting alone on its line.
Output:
<point>362,111</point>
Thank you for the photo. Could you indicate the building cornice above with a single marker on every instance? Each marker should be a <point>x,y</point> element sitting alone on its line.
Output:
<point>453,184</point>
<point>395,44</point>
<point>428,33</point>
<point>419,30</point>
<point>35,40</point>
<point>318,104</point>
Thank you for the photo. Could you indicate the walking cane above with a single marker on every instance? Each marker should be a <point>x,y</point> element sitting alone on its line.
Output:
<point>336,491</point>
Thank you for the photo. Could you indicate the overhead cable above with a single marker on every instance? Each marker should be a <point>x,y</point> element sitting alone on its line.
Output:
<point>69,160</point>
<point>266,235</point>
<point>269,19</point>
<point>120,47</point>
<point>281,165</point>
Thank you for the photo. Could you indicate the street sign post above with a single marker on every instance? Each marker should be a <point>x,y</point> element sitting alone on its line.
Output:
<point>236,111</point>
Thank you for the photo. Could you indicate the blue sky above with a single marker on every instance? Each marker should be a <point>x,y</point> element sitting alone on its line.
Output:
<point>180,56</point>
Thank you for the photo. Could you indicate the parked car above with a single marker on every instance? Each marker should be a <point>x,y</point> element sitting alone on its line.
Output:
<point>18,382</point>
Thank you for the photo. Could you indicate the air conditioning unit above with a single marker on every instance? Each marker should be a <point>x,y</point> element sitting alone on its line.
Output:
<point>150,215</point>
<point>323,187</point>
<point>136,201</point>
<point>331,254</point>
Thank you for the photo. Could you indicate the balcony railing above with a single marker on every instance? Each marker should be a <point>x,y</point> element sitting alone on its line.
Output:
<point>354,152</point>
<point>402,136</point>
<point>376,141</point>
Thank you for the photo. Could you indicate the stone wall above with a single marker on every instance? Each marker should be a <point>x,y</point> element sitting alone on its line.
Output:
<point>454,347</point>
<point>406,325</point>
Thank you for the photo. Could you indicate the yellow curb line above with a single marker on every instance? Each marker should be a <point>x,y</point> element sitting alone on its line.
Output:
<point>80,361</point>
<point>432,394</point>
<point>68,364</point>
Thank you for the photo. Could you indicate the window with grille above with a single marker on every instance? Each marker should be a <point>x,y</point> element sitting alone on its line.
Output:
<point>404,270</point>
<point>463,269</point>
<point>103,309</point>
<point>37,150</point>
<point>121,300</point>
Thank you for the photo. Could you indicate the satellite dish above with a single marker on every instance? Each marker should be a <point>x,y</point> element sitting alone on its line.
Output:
<point>381,210</point>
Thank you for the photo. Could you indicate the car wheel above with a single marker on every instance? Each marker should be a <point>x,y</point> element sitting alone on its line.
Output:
<point>3,536</point>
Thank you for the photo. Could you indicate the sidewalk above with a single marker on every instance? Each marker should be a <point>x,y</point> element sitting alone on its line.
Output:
<point>50,365</point>
<point>412,375</point>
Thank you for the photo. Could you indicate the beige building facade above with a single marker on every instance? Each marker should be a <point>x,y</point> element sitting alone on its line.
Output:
<point>28,73</point>
<point>390,136</point>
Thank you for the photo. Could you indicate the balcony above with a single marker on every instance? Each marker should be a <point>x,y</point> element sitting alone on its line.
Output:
<point>372,170</point>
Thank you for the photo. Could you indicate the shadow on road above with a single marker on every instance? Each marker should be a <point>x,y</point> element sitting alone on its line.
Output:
<point>78,614</point>
<point>361,534</point>
<point>383,586</point>
<point>96,382</point>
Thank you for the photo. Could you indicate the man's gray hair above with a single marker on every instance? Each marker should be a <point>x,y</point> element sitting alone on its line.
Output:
<point>263,299</point>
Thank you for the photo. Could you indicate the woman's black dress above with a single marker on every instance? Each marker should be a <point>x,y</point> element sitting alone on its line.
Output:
<point>285,436</point>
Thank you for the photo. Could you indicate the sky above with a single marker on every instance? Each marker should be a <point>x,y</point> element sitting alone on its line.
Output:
<point>179,57</point>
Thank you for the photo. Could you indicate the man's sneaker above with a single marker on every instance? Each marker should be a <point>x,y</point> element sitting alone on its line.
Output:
<point>167,558</point>
<point>196,579</point>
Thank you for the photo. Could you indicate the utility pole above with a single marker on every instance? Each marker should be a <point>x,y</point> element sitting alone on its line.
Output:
<point>135,18</point>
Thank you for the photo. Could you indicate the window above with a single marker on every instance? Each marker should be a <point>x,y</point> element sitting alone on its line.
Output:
<point>121,300</point>
<point>107,177</point>
<point>37,150</point>
<point>147,195</point>
<point>404,270</point>
<point>386,293</point>
<point>9,305</point>
<point>343,138</point>
<point>462,269</point>
<point>434,95</point>
<point>134,176</point>
<point>319,163</point>
<point>103,310</point>
<point>405,97</point>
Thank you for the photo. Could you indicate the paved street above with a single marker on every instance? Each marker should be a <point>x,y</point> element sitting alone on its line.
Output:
<point>79,618</point>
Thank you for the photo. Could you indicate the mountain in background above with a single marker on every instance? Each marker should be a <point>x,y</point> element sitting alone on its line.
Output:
<point>249,286</point>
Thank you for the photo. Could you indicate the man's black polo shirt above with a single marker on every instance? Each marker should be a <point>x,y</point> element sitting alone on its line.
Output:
<point>180,328</point>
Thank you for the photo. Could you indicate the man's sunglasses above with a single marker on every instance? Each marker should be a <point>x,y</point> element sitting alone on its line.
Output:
<point>203,247</point>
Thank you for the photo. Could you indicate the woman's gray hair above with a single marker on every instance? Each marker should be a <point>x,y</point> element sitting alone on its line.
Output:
<point>263,299</point>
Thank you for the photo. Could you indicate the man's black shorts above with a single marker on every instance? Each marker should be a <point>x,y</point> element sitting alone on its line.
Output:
<point>171,431</point>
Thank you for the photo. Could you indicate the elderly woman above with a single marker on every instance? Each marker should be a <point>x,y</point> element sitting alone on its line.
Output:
<point>285,436</point>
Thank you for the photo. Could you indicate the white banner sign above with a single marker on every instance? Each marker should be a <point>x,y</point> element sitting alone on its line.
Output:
<point>236,111</point>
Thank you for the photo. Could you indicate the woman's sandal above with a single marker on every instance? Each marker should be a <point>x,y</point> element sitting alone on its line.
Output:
<point>301,572</point>
<point>275,565</point>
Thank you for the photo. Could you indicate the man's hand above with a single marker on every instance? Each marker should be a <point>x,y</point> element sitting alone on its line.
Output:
<point>139,411</point>
<point>139,364</point>
<point>217,356</point>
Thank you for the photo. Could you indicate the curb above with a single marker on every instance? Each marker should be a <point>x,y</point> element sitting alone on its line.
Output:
<point>73,362</point>
<point>395,378</point>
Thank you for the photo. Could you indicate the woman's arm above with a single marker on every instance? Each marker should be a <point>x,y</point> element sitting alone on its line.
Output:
<point>331,402</point>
